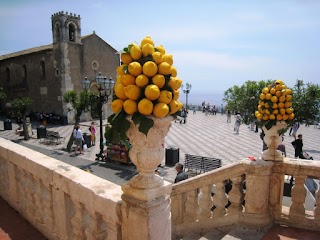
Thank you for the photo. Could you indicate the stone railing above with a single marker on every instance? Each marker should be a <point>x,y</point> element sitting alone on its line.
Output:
<point>255,199</point>
<point>61,201</point>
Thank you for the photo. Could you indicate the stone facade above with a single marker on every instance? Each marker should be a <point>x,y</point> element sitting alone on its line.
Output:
<point>45,73</point>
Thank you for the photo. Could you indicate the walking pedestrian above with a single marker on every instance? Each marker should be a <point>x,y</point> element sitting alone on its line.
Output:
<point>93,131</point>
<point>228,116</point>
<point>237,123</point>
<point>298,144</point>
<point>295,128</point>
<point>78,138</point>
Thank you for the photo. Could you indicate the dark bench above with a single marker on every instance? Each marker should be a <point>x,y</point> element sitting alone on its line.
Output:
<point>52,137</point>
<point>201,164</point>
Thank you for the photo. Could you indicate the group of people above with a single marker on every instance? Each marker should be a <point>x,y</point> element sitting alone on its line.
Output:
<point>79,140</point>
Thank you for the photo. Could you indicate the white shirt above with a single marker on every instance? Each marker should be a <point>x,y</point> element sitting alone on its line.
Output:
<point>77,133</point>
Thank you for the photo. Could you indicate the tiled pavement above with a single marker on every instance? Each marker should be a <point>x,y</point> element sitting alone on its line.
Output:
<point>204,135</point>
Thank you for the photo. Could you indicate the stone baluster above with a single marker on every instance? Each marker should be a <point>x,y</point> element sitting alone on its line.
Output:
<point>205,203</point>
<point>220,200</point>
<point>4,179</point>
<point>236,195</point>
<point>298,196</point>
<point>276,194</point>
<point>76,221</point>
<point>192,206</point>
<point>316,210</point>
<point>94,226</point>
<point>29,198</point>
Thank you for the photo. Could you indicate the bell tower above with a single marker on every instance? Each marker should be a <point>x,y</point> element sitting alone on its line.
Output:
<point>67,54</point>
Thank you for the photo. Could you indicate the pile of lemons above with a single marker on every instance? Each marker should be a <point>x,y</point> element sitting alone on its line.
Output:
<point>275,103</point>
<point>147,81</point>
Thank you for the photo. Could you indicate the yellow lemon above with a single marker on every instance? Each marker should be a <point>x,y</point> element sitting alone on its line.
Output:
<point>259,116</point>
<point>159,80</point>
<point>274,105</point>
<point>145,106</point>
<point>267,112</point>
<point>146,40</point>
<point>126,58</point>
<point>289,110</point>
<point>175,83</point>
<point>165,97</point>
<point>132,92</point>
<point>283,87</point>
<point>119,91</point>
<point>278,94</point>
<point>268,96</point>
<point>279,117</point>
<point>266,105</point>
<point>287,104</point>
<point>274,99</point>
<point>161,49</point>
<point>291,116</point>
<point>164,68</point>
<point>256,113</point>
<point>284,117</point>
<point>282,111</point>
<point>142,80</point>
<point>265,90</point>
<point>149,69</point>
<point>261,103</point>
<point>176,94</point>
<point>282,99</point>
<point>173,71</point>
<point>288,97</point>
<point>262,96</point>
<point>272,117</point>
<point>278,87</point>
<point>121,68</point>
<point>130,106</point>
<point>174,106</point>
<point>161,110</point>
<point>128,79</point>
<point>167,58</point>
<point>288,91</point>
<point>278,82</point>
<point>157,57</point>
<point>281,105</point>
<point>275,111</point>
<point>265,117</point>
<point>116,105</point>
<point>272,91</point>
<point>147,49</point>
<point>119,79</point>
<point>135,68</point>
<point>152,92</point>
<point>135,51</point>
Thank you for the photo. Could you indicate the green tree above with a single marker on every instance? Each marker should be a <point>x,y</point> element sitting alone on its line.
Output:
<point>306,102</point>
<point>19,109</point>
<point>80,102</point>
<point>244,99</point>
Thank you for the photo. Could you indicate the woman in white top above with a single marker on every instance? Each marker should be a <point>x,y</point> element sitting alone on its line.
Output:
<point>77,134</point>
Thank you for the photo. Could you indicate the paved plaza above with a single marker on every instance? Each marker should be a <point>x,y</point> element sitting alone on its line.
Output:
<point>203,135</point>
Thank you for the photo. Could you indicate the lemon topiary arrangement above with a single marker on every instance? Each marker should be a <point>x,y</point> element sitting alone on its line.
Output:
<point>275,104</point>
<point>147,85</point>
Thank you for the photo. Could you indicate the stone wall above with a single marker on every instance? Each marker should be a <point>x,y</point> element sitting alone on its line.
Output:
<point>61,201</point>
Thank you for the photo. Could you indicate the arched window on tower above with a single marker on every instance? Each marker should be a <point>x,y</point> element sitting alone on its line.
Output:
<point>7,75</point>
<point>72,33</point>
<point>43,70</point>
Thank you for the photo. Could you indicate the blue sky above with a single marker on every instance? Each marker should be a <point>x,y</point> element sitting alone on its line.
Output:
<point>215,44</point>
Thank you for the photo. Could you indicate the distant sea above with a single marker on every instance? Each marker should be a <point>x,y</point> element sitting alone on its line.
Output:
<point>198,99</point>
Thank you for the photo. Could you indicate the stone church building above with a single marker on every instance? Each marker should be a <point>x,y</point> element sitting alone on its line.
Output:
<point>45,73</point>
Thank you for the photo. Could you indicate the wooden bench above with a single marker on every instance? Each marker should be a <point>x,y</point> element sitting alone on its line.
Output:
<point>200,164</point>
<point>52,137</point>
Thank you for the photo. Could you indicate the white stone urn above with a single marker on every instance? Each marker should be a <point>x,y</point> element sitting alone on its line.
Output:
<point>272,140</point>
<point>147,152</point>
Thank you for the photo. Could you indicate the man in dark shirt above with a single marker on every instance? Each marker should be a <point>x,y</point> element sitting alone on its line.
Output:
<point>181,175</point>
<point>298,144</point>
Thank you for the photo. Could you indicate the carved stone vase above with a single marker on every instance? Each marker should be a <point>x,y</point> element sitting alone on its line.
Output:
<point>272,140</point>
<point>147,152</point>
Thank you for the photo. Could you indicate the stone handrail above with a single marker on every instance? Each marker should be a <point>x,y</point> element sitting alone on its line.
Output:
<point>258,205</point>
<point>61,201</point>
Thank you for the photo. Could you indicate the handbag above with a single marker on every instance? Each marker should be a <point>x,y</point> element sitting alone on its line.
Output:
<point>85,147</point>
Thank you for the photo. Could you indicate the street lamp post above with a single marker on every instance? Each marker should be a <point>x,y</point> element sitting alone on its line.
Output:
<point>186,91</point>
<point>105,88</point>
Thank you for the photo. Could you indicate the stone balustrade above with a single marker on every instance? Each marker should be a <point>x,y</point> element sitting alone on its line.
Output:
<point>61,201</point>
<point>64,202</point>
<point>255,197</point>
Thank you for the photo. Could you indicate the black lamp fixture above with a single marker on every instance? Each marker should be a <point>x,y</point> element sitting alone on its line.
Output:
<point>105,87</point>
